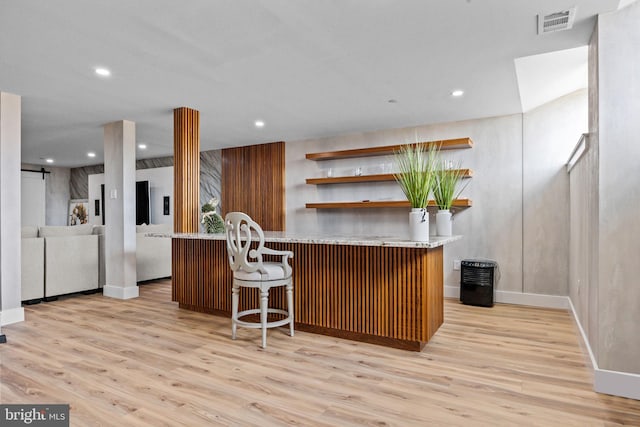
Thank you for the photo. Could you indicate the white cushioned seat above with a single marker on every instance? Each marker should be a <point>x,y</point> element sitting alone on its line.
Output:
<point>272,271</point>
<point>154,228</point>
<point>65,231</point>
<point>28,232</point>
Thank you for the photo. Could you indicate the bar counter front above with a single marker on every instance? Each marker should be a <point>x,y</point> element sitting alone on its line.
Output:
<point>379,290</point>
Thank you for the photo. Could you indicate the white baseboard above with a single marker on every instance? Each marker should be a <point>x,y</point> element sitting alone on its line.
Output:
<point>518,298</point>
<point>616,383</point>
<point>13,315</point>
<point>121,292</point>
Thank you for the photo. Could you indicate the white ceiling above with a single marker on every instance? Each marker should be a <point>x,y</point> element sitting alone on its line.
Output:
<point>308,68</point>
<point>547,76</point>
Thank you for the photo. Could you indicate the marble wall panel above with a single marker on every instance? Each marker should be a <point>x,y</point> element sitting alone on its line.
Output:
<point>78,180</point>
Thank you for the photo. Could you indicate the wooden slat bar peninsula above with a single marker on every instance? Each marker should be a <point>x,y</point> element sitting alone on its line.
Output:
<point>377,290</point>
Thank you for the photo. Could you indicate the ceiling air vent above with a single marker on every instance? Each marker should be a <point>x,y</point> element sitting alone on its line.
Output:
<point>556,21</point>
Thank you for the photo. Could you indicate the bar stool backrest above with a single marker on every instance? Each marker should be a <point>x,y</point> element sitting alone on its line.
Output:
<point>241,232</point>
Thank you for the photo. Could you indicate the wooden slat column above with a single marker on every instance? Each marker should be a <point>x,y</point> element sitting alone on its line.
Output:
<point>186,170</point>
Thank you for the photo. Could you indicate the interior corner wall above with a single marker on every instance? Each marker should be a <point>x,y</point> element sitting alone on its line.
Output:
<point>583,216</point>
<point>519,174</point>
<point>550,133</point>
<point>618,343</point>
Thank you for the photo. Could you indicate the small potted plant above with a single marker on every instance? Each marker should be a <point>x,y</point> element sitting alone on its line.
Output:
<point>213,222</point>
<point>416,165</point>
<point>444,192</point>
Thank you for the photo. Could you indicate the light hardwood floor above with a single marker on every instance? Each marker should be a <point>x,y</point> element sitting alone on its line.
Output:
<point>146,362</point>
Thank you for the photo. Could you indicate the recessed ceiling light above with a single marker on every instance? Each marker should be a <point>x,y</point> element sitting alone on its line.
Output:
<point>91,154</point>
<point>48,160</point>
<point>102,72</point>
<point>392,101</point>
<point>457,92</point>
<point>259,123</point>
<point>142,146</point>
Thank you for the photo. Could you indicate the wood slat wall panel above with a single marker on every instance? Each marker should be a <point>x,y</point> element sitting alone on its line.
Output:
<point>392,296</point>
<point>253,181</point>
<point>186,170</point>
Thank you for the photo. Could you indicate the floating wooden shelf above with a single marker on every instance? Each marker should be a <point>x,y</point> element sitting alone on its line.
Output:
<point>445,144</point>
<point>467,173</point>
<point>458,203</point>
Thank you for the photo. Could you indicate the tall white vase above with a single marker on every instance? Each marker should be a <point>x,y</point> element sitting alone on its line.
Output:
<point>419,225</point>
<point>443,222</point>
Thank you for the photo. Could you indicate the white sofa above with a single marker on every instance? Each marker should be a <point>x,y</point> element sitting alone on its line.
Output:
<point>59,260</point>
<point>71,259</point>
<point>32,252</point>
<point>153,254</point>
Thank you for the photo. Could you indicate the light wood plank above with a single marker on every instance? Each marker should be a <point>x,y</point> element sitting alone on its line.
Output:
<point>145,362</point>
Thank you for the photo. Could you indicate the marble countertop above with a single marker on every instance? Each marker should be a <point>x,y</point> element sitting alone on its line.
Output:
<point>285,237</point>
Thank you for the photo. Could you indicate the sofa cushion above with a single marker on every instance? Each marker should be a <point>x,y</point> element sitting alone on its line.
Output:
<point>154,228</point>
<point>98,229</point>
<point>59,231</point>
<point>28,231</point>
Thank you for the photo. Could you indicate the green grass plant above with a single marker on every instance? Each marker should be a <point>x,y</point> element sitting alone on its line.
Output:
<point>445,183</point>
<point>416,166</point>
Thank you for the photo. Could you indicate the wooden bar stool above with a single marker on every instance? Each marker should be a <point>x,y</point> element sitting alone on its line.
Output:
<point>250,271</point>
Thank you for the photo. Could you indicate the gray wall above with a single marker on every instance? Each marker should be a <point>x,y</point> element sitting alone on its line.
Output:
<point>550,133</point>
<point>519,175</point>
<point>619,193</point>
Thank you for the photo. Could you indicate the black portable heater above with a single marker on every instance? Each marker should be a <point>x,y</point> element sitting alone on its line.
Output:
<point>477,279</point>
